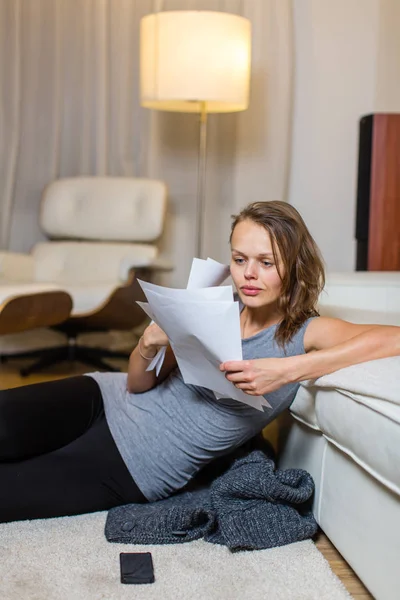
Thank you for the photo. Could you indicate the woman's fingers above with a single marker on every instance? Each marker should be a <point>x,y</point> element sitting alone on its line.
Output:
<point>154,335</point>
<point>241,381</point>
<point>246,387</point>
<point>235,377</point>
<point>246,378</point>
<point>234,365</point>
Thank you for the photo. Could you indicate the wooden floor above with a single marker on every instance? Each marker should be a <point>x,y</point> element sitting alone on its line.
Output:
<point>9,377</point>
<point>341,568</point>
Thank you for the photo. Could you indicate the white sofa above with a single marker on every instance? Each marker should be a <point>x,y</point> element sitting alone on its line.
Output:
<point>346,432</point>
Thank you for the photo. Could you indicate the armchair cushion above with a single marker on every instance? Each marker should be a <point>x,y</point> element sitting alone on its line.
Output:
<point>16,267</point>
<point>89,262</point>
<point>88,297</point>
<point>79,207</point>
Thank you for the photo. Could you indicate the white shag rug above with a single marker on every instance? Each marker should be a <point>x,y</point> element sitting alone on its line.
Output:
<point>70,559</point>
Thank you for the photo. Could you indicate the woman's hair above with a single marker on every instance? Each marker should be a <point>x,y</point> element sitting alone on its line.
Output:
<point>303,276</point>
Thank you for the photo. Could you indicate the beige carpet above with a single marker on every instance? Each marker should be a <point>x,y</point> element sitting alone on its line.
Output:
<point>70,559</point>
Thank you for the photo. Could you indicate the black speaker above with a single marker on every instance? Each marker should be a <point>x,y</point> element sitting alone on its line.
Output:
<point>378,193</point>
<point>364,190</point>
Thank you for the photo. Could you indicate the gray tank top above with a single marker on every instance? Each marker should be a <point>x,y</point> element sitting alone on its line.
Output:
<point>167,434</point>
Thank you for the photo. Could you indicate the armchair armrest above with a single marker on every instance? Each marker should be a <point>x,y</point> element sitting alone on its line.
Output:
<point>16,266</point>
<point>161,263</point>
<point>127,265</point>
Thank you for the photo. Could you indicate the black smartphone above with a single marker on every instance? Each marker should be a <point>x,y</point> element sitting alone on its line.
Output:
<point>136,567</point>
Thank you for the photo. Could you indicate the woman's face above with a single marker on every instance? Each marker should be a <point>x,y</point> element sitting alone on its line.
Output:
<point>253,268</point>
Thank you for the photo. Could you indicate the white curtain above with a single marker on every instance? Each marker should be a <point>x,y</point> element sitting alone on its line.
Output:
<point>69,79</point>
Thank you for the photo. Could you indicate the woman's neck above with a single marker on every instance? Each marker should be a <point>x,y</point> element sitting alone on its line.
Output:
<point>253,320</point>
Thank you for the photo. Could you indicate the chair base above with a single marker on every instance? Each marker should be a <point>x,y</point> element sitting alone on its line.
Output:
<point>71,353</point>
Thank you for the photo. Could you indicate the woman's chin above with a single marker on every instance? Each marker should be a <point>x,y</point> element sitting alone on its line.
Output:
<point>252,301</point>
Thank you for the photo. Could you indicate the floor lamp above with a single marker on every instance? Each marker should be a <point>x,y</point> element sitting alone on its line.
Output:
<point>197,62</point>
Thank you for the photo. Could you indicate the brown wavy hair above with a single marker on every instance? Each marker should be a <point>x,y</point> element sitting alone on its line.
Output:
<point>303,274</point>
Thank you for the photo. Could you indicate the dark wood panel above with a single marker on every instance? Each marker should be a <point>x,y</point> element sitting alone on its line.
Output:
<point>384,220</point>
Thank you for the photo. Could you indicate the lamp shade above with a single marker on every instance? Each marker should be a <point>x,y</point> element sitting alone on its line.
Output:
<point>191,60</point>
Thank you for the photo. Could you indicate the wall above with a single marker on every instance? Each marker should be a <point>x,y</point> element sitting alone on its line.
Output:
<point>346,55</point>
<point>387,96</point>
<point>336,56</point>
<point>247,152</point>
<point>69,77</point>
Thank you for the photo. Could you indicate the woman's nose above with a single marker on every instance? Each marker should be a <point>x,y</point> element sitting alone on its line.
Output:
<point>250,271</point>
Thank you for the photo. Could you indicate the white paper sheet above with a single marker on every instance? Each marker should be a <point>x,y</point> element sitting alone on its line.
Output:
<point>209,293</point>
<point>207,273</point>
<point>203,326</point>
<point>203,274</point>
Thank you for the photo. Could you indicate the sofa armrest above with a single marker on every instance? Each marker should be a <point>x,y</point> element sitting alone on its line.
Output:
<point>378,378</point>
<point>361,315</point>
<point>15,266</point>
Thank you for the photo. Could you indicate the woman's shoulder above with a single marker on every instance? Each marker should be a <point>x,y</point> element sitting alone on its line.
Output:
<point>297,343</point>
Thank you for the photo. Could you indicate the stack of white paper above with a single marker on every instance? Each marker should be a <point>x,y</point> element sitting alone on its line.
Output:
<point>202,323</point>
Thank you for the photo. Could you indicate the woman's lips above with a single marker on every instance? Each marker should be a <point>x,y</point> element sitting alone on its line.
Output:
<point>250,291</point>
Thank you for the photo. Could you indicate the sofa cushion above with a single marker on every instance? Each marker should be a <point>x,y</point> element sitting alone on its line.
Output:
<point>375,291</point>
<point>364,316</point>
<point>303,406</point>
<point>360,430</point>
<point>358,409</point>
<point>367,382</point>
<point>373,379</point>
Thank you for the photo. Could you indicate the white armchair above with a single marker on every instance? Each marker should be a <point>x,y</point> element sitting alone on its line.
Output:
<point>102,233</point>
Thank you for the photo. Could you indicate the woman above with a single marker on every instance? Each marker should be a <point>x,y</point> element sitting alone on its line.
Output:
<point>89,443</point>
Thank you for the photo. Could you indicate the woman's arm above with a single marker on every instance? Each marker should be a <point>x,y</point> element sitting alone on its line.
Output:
<point>330,344</point>
<point>139,380</point>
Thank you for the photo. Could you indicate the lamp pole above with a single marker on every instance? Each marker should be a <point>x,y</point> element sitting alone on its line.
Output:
<point>201,179</point>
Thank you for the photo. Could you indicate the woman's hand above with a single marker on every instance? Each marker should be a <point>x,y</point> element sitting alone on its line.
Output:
<point>260,376</point>
<point>140,380</point>
<point>153,338</point>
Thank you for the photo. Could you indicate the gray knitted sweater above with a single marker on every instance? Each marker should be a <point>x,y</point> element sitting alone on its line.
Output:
<point>251,506</point>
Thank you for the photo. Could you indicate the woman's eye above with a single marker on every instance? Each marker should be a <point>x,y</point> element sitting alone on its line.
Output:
<point>239,261</point>
<point>266,263</point>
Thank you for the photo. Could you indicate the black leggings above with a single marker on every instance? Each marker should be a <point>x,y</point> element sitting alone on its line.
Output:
<point>57,455</point>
